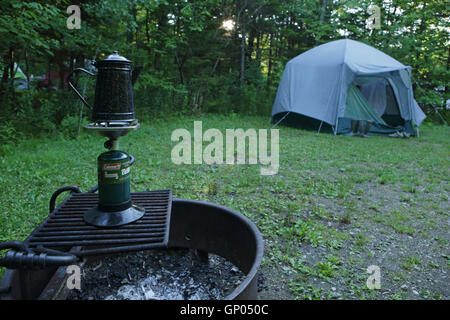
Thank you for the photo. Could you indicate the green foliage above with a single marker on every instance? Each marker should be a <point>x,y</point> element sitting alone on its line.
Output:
<point>192,64</point>
<point>38,113</point>
<point>69,126</point>
<point>9,136</point>
<point>28,21</point>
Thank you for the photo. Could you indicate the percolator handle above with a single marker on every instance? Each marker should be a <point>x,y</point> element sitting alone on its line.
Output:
<point>73,87</point>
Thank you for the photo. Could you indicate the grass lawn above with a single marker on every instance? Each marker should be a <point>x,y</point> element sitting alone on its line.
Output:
<point>337,205</point>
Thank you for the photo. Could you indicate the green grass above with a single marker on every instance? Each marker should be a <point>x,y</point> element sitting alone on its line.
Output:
<point>326,186</point>
<point>410,263</point>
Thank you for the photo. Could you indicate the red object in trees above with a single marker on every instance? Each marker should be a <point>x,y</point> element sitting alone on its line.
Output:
<point>54,78</point>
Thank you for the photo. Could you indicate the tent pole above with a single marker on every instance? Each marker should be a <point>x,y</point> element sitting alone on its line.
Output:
<point>321,122</point>
<point>336,126</point>
<point>280,120</point>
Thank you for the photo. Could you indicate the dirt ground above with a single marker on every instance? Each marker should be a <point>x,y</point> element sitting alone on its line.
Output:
<point>410,249</point>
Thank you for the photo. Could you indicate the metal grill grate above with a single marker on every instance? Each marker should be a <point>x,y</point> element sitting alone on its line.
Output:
<point>65,227</point>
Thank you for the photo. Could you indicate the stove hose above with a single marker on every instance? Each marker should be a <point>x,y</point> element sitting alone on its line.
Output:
<point>21,257</point>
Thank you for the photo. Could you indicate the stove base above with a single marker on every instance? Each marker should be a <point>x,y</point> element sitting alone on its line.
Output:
<point>104,219</point>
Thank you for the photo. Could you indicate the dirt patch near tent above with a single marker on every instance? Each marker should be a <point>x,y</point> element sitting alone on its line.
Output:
<point>405,235</point>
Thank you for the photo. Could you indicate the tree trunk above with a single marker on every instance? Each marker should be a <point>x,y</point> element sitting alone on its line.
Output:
<point>269,71</point>
<point>61,68</point>
<point>13,73</point>
<point>444,101</point>
<point>49,83</point>
<point>27,68</point>
<point>242,78</point>
<point>322,16</point>
<point>5,76</point>
<point>147,20</point>
<point>180,64</point>
<point>130,34</point>
<point>258,49</point>
<point>71,62</point>
<point>162,29</point>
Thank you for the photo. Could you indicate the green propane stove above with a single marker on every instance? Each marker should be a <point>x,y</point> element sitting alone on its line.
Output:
<point>115,207</point>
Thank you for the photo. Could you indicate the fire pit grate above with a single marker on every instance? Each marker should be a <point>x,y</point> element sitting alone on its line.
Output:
<point>65,227</point>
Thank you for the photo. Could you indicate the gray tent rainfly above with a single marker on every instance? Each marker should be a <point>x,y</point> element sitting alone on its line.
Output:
<point>318,87</point>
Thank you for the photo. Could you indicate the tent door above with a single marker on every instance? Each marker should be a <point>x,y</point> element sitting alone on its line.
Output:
<point>382,96</point>
<point>393,115</point>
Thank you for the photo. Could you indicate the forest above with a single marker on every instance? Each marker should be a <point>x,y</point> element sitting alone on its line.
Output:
<point>203,56</point>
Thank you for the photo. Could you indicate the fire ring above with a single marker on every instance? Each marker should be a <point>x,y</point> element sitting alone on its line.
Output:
<point>216,229</point>
<point>194,224</point>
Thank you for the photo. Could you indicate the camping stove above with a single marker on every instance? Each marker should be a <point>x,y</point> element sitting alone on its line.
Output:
<point>112,117</point>
<point>90,225</point>
<point>114,207</point>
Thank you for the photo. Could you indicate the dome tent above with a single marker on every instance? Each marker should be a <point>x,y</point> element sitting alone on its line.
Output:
<point>317,87</point>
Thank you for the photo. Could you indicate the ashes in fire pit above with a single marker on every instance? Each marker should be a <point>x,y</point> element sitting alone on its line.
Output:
<point>175,274</point>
